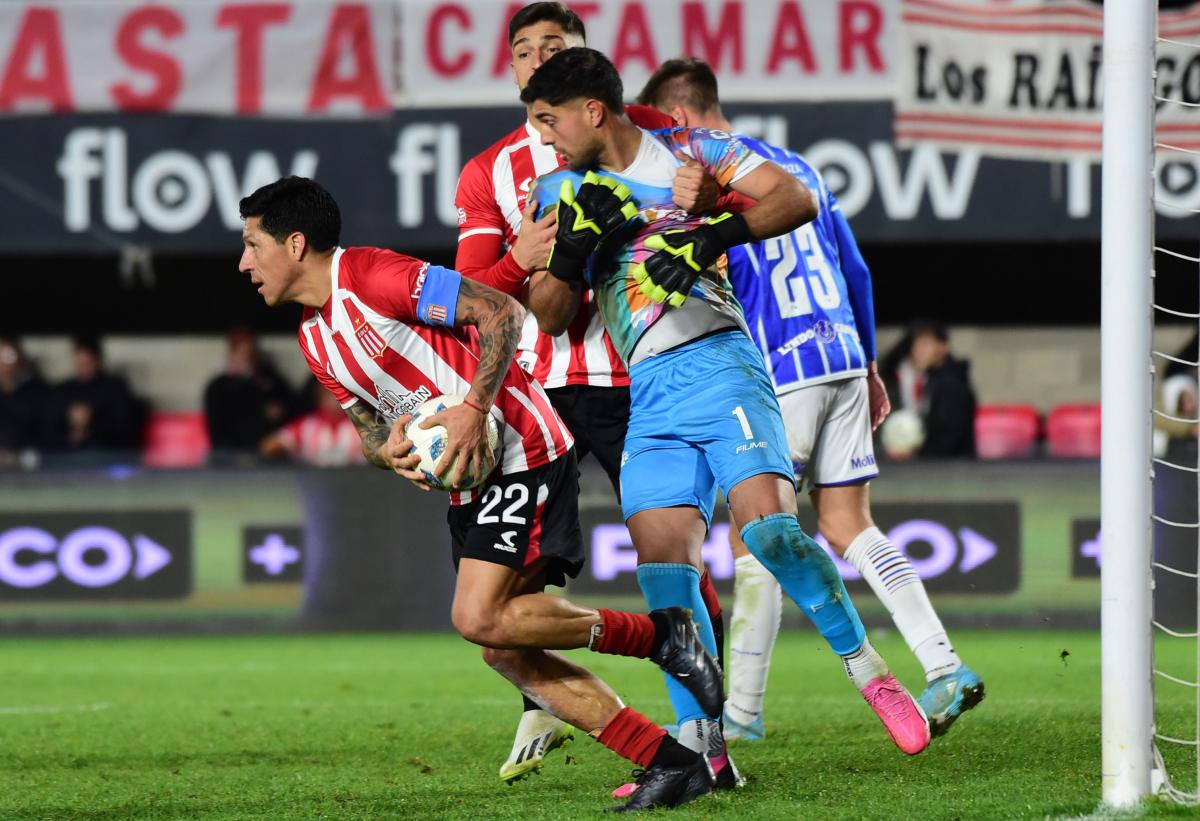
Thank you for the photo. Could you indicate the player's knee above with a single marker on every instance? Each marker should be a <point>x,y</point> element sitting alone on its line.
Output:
<point>477,625</point>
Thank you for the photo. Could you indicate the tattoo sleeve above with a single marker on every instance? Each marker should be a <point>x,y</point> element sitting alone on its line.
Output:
<point>371,430</point>
<point>498,319</point>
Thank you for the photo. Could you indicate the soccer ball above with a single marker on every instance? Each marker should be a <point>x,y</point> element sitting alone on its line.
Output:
<point>430,443</point>
<point>902,434</point>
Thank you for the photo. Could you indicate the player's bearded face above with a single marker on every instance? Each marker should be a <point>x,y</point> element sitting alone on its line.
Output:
<point>568,129</point>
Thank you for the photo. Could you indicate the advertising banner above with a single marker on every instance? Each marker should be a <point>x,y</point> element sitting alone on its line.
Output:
<point>277,58</point>
<point>99,184</point>
<point>457,53</point>
<point>1026,79</point>
<point>133,554</point>
<point>959,547</point>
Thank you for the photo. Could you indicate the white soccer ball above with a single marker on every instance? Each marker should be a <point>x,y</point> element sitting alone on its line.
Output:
<point>430,443</point>
<point>902,433</point>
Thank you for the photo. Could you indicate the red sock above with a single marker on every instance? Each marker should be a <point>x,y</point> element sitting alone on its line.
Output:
<point>633,736</point>
<point>709,593</point>
<point>625,634</point>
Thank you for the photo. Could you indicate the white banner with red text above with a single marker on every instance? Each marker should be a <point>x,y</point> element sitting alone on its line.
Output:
<point>457,53</point>
<point>329,58</point>
<point>244,58</point>
<point>1024,79</point>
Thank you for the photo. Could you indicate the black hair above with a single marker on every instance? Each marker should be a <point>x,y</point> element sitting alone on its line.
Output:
<point>575,73</point>
<point>87,341</point>
<point>296,204</point>
<point>684,81</point>
<point>558,13</point>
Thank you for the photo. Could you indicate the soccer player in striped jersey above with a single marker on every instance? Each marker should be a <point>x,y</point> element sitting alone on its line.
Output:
<point>808,301</point>
<point>703,412</point>
<point>501,244</point>
<point>384,332</point>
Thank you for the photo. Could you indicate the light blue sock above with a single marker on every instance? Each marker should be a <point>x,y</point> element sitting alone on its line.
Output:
<point>678,585</point>
<point>808,576</point>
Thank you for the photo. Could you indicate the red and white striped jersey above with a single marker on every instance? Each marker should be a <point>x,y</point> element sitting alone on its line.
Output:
<point>492,192</point>
<point>370,343</point>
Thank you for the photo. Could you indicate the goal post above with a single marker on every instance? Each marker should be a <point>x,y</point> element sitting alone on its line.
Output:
<point>1127,225</point>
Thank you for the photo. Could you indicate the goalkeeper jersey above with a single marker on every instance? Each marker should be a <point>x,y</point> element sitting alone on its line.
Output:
<point>626,311</point>
<point>807,294</point>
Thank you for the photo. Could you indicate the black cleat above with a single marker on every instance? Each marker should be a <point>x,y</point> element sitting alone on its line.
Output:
<point>670,786</point>
<point>683,656</point>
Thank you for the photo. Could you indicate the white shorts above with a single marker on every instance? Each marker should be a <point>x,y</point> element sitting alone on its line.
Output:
<point>829,433</point>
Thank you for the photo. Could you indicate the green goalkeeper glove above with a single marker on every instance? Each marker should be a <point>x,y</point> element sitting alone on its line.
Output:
<point>600,207</point>
<point>681,256</point>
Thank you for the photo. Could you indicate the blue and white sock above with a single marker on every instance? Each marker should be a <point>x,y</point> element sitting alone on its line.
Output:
<point>896,583</point>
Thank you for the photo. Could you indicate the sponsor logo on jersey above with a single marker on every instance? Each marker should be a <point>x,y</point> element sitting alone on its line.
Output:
<point>507,537</point>
<point>392,405</point>
<point>416,293</point>
<point>859,462</point>
<point>749,446</point>
<point>824,330</point>
<point>462,216</point>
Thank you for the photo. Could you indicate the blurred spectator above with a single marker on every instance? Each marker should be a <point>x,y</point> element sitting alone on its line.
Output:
<point>94,412</point>
<point>324,437</point>
<point>931,394</point>
<point>248,400</point>
<point>24,406</point>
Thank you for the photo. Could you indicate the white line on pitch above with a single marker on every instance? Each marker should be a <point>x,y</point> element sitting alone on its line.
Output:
<point>69,708</point>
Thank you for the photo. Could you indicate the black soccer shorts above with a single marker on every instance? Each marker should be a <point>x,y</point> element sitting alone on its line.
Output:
<point>597,417</point>
<point>523,517</point>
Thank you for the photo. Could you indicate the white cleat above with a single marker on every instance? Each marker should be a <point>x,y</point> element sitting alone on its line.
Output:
<point>537,734</point>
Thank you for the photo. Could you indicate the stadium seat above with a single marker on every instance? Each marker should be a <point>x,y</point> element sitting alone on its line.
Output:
<point>175,439</point>
<point>1073,431</point>
<point>1006,431</point>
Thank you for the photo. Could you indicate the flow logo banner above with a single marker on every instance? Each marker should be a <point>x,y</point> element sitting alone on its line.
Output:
<point>102,555</point>
<point>959,547</point>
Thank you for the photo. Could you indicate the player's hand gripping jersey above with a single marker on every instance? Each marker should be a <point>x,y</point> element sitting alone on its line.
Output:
<point>628,314</point>
<point>807,295</point>
<point>387,337</point>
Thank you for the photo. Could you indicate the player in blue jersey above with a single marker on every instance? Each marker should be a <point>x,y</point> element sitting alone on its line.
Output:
<point>703,411</point>
<point>808,302</point>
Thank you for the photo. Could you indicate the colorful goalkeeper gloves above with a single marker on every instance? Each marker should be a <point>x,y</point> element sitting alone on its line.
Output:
<point>600,207</point>
<point>681,256</point>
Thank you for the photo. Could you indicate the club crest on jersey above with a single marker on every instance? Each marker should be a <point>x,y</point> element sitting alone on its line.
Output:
<point>825,331</point>
<point>436,313</point>
<point>369,338</point>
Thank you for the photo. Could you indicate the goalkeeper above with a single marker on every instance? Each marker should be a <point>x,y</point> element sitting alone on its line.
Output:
<point>703,410</point>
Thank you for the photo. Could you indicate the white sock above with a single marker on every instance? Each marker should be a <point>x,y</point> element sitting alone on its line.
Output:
<point>898,586</point>
<point>864,665</point>
<point>753,627</point>
<point>702,735</point>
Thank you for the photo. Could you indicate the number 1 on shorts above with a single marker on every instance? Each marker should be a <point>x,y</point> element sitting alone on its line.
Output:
<point>741,417</point>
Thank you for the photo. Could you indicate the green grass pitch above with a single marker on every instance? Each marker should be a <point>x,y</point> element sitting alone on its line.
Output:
<point>415,727</point>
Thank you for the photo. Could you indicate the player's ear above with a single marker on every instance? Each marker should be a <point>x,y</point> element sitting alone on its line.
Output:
<point>297,244</point>
<point>679,115</point>
<point>596,112</point>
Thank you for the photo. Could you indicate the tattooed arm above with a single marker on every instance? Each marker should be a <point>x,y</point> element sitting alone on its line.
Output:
<point>498,318</point>
<point>384,445</point>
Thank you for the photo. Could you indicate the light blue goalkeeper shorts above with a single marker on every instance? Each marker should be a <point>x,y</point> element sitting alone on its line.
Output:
<point>702,416</point>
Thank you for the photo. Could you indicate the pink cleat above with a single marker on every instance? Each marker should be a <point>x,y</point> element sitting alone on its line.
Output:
<point>903,718</point>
